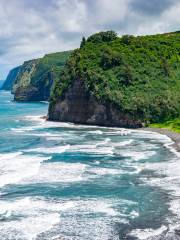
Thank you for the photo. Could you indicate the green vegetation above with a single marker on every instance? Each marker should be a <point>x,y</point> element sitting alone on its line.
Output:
<point>173,125</point>
<point>50,63</point>
<point>138,75</point>
<point>23,78</point>
<point>36,77</point>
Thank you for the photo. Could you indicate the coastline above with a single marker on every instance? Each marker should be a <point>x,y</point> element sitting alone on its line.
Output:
<point>173,135</point>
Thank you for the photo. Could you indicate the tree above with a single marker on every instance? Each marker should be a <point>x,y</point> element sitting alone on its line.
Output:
<point>100,37</point>
<point>165,66</point>
<point>126,39</point>
<point>110,59</point>
<point>83,42</point>
<point>126,75</point>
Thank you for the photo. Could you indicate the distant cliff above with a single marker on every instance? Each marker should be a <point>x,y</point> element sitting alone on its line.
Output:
<point>22,84</point>
<point>120,81</point>
<point>36,77</point>
<point>8,83</point>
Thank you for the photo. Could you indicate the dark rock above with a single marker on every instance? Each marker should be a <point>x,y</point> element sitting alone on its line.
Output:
<point>28,93</point>
<point>39,92</point>
<point>77,105</point>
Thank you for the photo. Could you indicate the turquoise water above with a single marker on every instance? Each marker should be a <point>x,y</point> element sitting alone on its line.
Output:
<point>73,182</point>
<point>1,83</point>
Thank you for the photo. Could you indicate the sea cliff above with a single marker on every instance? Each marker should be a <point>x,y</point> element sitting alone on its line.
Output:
<point>77,105</point>
<point>119,81</point>
<point>36,77</point>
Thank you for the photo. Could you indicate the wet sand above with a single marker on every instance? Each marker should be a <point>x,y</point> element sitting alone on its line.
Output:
<point>173,135</point>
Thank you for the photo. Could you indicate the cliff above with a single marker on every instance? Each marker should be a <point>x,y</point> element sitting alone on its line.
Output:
<point>36,77</point>
<point>11,78</point>
<point>120,81</point>
<point>77,105</point>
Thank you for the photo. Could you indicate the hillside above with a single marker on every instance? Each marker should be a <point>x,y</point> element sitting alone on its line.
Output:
<point>8,83</point>
<point>120,81</point>
<point>36,77</point>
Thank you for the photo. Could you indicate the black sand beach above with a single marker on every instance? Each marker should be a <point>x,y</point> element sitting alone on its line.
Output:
<point>173,135</point>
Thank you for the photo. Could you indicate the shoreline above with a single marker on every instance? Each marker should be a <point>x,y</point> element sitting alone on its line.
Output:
<point>175,137</point>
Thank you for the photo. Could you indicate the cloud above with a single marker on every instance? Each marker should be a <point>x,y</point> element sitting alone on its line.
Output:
<point>152,7</point>
<point>31,28</point>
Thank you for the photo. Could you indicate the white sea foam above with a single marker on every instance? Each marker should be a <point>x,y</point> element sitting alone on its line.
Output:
<point>25,129</point>
<point>45,134</point>
<point>134,214</point>
<point>161,138</point>
<point>58,172</point>
<point>98,215</point>
<point>8,156</point>
<point>36,118</point>
<point>136,155</point>
<point>122,143</point>
<point>169,146</point>
<point>54,138</point>
<point>29,217</point>
<point>94,149</point>
<point>107,140</point>
<point>105,171</point>
<point>96,132</point>
<point>117,131</point>
<point>58,149</point>
<point>46,102</point>
<point>97,206</point>
<point>148,234</point>
<point>35,216</point>
<point>16,166</point>
<point>61,172</point>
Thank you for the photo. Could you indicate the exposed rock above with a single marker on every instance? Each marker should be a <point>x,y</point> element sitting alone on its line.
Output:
<point>23,78</point>
<point>77,105</point>
<point>40,92</point>
<point>36,77</point>
<point>27,94</point>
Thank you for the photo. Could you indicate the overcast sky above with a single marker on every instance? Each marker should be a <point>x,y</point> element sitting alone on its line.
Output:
<point>31,28</point>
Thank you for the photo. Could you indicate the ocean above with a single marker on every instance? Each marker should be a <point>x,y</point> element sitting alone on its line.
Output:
<point>60,181</point>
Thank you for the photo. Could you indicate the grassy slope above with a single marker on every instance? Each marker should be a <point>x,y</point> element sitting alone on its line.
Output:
<point>49,63</point>
<point>37,75</point>
<point>140,75</point>
<point>173,125</point>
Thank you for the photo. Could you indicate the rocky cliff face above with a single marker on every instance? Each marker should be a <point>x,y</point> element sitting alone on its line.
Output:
<point>35,92</point>
<point>11,78</point>
<point>25,73</point>
<point>23,79</point>
<point>77,105</point>
<point>36,77</point>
